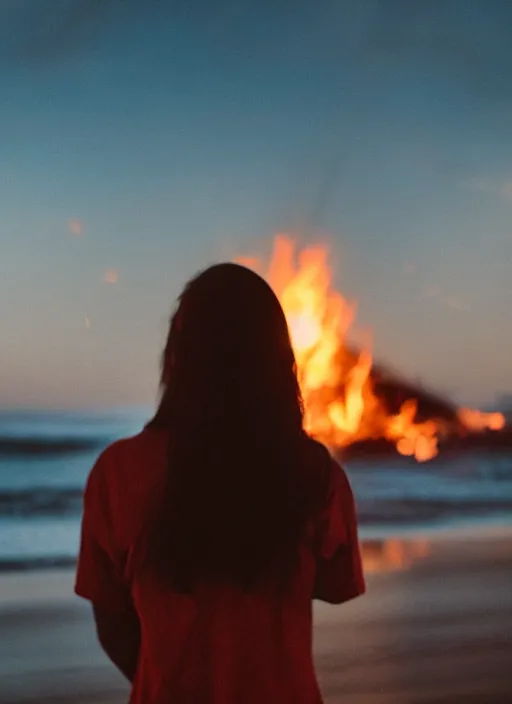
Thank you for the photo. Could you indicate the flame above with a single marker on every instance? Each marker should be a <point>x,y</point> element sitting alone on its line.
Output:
<point>476,421</point>
<point>340,404</point>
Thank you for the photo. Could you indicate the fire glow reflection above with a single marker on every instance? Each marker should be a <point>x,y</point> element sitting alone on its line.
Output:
<point>393,554</point>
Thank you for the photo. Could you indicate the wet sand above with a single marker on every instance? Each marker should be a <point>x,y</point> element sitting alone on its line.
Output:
<point>434,627</point>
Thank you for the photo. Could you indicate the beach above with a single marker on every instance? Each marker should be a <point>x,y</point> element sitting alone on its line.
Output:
<point>434,626</point>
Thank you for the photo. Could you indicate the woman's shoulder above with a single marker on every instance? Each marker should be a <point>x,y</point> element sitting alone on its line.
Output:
<point>323,463</point>
<point>126,456</point>
<point>125,484</point>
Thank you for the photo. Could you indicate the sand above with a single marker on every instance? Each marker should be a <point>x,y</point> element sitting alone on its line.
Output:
<point>438,629</point>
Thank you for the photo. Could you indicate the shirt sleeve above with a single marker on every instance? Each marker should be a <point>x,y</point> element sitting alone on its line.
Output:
<point>100,572</point>
<point>339,575</point>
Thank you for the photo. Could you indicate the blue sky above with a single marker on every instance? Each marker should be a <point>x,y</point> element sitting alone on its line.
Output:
<point>179,134</point>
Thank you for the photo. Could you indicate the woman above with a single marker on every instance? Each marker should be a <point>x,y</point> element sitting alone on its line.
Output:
<point>206,537</point>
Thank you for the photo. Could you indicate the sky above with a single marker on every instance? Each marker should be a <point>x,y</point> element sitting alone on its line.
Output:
<point>141,140</point>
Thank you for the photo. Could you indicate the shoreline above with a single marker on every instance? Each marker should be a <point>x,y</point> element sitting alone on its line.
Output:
<point>476,529</point>
<point>433,628</point>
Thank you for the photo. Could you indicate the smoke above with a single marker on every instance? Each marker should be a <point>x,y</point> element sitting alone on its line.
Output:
<point>470,40</point>
<point>41,31</point>
<point>33,31</point>
<point>45,30</point>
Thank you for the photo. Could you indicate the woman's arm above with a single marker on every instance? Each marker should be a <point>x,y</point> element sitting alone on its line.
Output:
<point>339,570</point>
<point>339,578</point>
<point>119,636</point>
<point>100,572</point>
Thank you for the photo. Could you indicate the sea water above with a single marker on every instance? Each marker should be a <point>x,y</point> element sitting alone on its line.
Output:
<point>45,458</point>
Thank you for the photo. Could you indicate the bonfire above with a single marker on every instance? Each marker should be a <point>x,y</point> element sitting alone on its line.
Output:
<point>340,385</point>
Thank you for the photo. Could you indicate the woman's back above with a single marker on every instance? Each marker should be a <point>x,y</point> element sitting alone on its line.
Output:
<point>206,536</point>
<point>220,643</point>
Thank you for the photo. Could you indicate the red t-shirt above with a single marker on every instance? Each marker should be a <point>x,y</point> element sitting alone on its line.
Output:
<point>219,645</point>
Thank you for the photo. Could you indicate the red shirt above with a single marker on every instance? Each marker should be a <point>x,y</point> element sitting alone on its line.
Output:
<point>219,645</point>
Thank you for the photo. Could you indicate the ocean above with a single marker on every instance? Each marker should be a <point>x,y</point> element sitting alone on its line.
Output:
<point>45,458</point>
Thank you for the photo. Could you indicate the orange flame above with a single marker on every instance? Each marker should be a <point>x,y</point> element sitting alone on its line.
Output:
<point>340,404</point>
<point>476,421</point>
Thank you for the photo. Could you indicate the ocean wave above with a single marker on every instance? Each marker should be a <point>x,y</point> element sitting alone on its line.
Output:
<point>67,501</point>
<point>413,510</point>
<point>22,564</point>
<point>43,501</point>
<point>30,446</point>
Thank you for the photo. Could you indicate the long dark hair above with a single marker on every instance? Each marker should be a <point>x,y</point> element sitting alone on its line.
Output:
<point>242,480</point>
